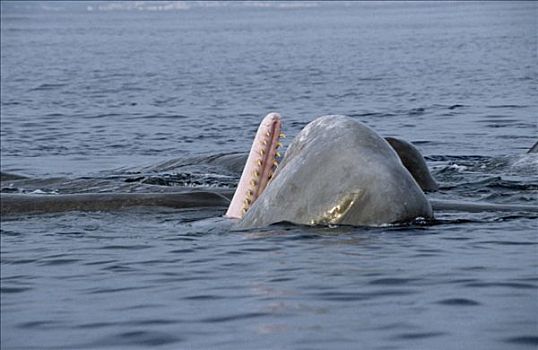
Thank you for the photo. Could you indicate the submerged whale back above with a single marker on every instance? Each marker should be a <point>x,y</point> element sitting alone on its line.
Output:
<point>339,171</point>
<point>414,163</point>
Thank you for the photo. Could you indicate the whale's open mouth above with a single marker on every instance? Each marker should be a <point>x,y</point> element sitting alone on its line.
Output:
<point>260,166</point>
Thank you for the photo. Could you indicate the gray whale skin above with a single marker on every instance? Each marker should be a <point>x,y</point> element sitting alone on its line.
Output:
<point>339,171</point>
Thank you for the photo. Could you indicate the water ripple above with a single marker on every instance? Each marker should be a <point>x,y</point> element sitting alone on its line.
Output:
<point>502,284</point>
<point>523,340</point>
<point>419,335</point>
<point>237,317</point>
<point>392,281</point>
<point>11,290</point>
<point>140,338</point>
<point>358,296</point>
<point>458,302</point>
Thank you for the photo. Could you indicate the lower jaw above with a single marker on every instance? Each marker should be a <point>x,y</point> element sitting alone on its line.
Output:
<point>259,167</point>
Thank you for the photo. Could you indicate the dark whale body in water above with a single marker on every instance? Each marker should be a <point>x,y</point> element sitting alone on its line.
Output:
<point>12,204</point>
<point>414,163</point>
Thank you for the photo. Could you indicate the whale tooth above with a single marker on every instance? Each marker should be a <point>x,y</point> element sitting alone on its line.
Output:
<point>262,152</point>
<point>256,173</point>
<point>282,135</point>
<point>247,202</point>
<point>268,134</point>
<point>275,163</point>
<point>278,155</point>
<point>264,142</point>
<point>259,162</point>
<point>278,145</point>
<point>253,183</point>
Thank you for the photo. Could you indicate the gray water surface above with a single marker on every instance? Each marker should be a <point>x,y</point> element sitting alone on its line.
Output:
<point>119,99</point>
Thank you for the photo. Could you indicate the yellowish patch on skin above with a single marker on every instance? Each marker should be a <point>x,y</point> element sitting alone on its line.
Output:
<point>335,214</point>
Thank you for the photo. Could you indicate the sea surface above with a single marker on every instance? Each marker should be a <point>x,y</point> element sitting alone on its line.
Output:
<point>125,97</point>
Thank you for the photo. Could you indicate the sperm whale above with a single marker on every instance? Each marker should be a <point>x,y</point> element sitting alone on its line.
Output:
<point>336,171</point>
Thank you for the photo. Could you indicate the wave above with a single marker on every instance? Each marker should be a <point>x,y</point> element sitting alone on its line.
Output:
<point>153,6</point>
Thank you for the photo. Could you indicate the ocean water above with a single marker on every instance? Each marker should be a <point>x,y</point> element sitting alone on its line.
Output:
<point>126,97</point>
